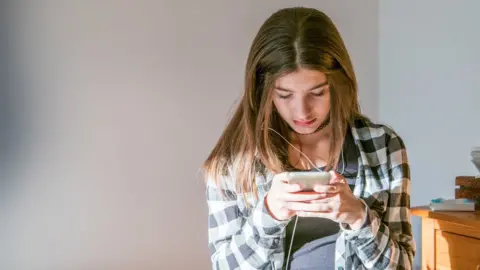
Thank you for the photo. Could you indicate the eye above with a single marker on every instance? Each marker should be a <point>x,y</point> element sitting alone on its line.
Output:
<point>284,96</point>
<point>319,93</point>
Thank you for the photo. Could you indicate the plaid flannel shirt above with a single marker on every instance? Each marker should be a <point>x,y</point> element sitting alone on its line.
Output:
<point>243,237</point>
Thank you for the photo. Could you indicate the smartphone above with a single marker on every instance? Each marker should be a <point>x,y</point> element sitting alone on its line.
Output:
<point>307,180</point>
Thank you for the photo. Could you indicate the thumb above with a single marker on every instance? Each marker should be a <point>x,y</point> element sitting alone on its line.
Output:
<point>336,177</point>
<point>280,176</point>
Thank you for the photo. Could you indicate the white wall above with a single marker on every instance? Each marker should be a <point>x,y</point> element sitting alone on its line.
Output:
<point>430,89</point>
<point>114,97</point>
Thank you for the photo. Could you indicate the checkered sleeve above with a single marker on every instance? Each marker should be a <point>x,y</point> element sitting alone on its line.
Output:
<point>386,242</point>
<point>241,241</point>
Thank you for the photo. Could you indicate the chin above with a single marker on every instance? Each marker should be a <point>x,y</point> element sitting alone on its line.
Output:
<point>305,130</point>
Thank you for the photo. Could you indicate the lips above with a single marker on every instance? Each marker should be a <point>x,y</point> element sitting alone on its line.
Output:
<point>304,123</point>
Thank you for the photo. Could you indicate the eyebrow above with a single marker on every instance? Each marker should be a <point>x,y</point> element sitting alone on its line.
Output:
<point>312,88</point>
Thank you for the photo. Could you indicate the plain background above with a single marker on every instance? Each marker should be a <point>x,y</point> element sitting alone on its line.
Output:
<point>429,90</point>
<point>117,103</point>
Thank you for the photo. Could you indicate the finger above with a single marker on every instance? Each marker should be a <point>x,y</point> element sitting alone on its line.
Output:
<point>291,187</point>
<point>308,207</point>
<point>320,194</point>
<point>328,198</point>
<point>340,187</point>
<point>315,214</point>
<point>280,177</point>
<point>301,197</point>
<point>287,212</point>
<point>325,188</point>
<point>336,177</point>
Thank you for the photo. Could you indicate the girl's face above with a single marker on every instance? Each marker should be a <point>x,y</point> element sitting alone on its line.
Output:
<point>302,99</point>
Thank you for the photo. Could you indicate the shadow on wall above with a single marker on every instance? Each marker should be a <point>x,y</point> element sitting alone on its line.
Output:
<point>5,92</point>
<point>10,135</point>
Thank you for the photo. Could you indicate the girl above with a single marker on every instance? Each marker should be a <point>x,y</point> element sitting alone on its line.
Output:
<point>300,112</point>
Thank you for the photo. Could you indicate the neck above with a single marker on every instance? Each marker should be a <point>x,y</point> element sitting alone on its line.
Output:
<point>315,146</point>
<point>312,139</point>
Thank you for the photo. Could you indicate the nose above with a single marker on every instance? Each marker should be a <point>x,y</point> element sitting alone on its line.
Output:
<point>302,108</point>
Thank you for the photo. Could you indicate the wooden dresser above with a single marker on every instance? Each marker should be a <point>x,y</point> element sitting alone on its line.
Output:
<point>450,240</point>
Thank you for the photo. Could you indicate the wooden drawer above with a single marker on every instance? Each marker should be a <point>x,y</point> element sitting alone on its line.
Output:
<point>450,240</point>
<point>454,251</point>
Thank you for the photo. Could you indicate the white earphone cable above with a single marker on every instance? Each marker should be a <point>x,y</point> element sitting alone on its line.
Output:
<point>314,166</point>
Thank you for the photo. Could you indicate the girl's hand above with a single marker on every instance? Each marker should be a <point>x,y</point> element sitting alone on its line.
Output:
<point>337,203</point>
<point>282,194</point>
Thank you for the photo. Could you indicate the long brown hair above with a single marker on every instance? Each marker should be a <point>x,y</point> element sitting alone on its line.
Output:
<point>289,39</point>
